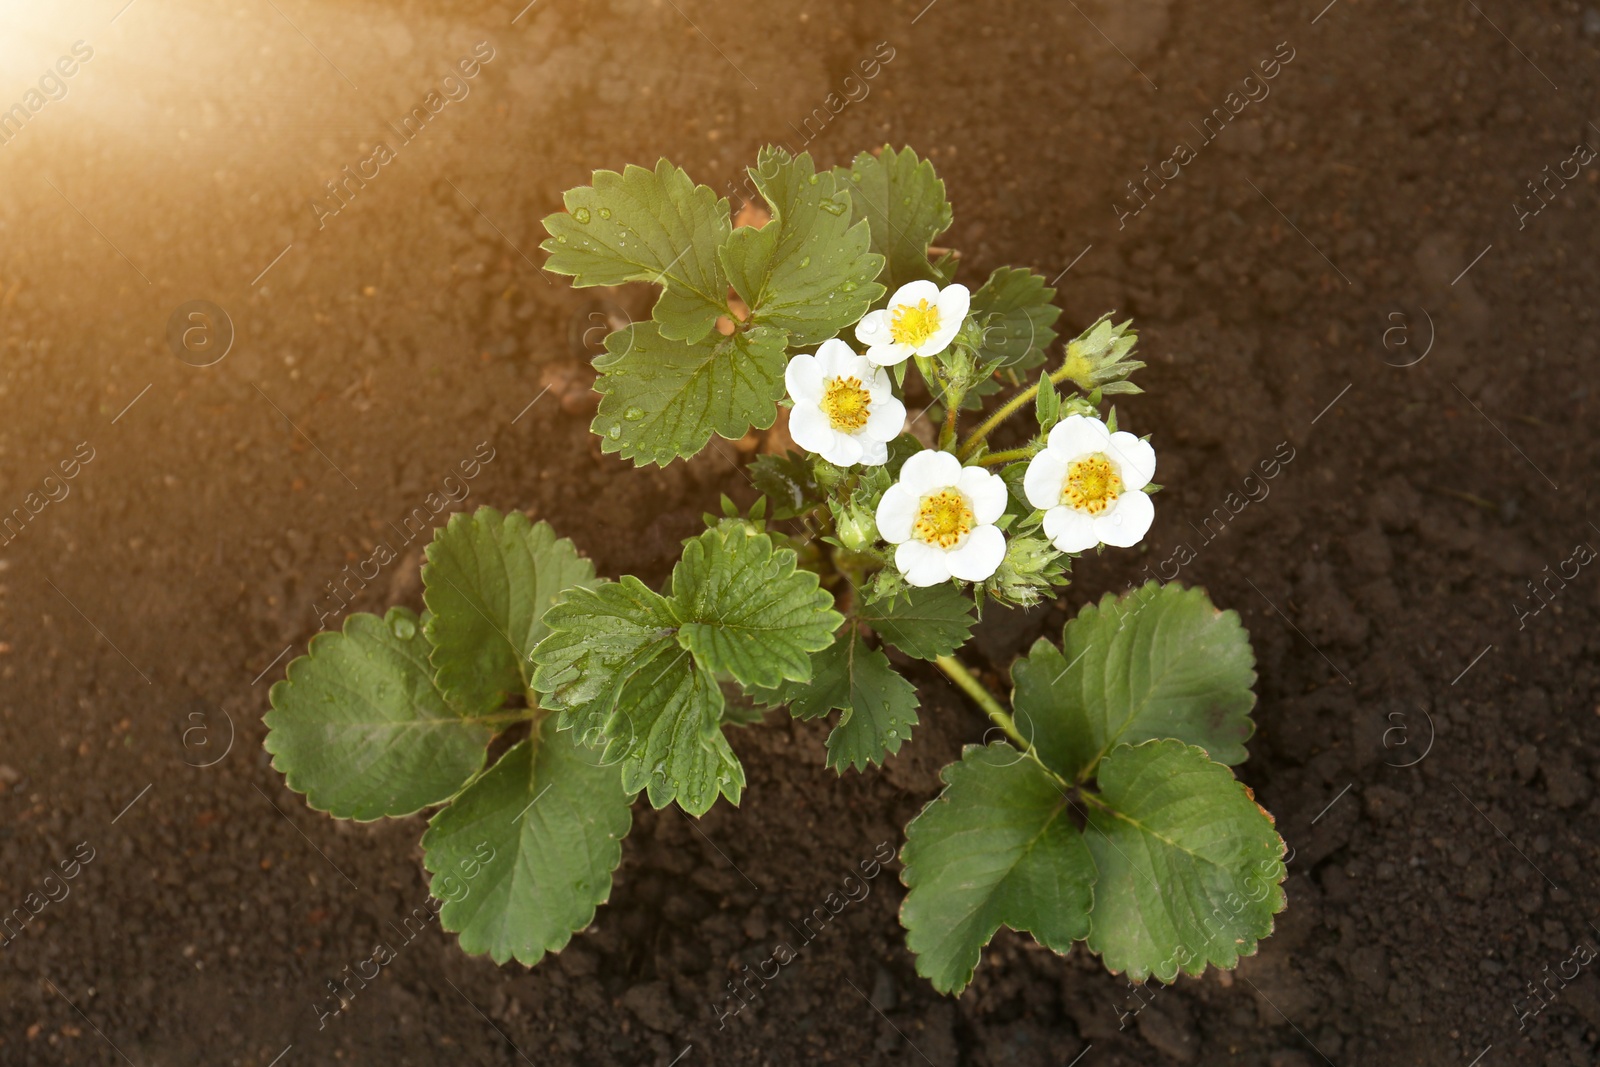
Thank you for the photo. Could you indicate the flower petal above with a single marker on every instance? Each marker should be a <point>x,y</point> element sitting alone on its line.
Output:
<point>922,564</point>
<point>897,513</point>
<point>874,453</point>
<point>910,293</point>
<point>873,329</point>
<point>1077,435</point>
<point>887,355</point>
<point>979,555</point>
<point>953,303</point>
<point>986,492</point>
<point>1046,474</point>
<point>1070,530</point>
<point>803,378</point>
<point>843,451</point>
<point>810,428</point>
<point>1126,522</point>
<point>928,470</point>
<point>886,419</point>
<point>1136,458</point>
<point>836,359</point>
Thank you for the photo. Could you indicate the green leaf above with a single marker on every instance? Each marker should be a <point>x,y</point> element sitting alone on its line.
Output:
<point>808,271</point>
<point>879,707</point>
<point>1158,662</point>
<point>525,854</point>
<point>664,399</point>
<point>1190,866</point>
<point>1014,311</point>
<point>746,610</point>
<point>788,482</point>
<point>647,226</point>
<point>359,728</point>
<point>668,735</point>
<point>933,622</point>
<point>598,639</point>
<point>996,847</point>
<point>1047,403</point>
<point>903,201</point>
<point>487,582</point>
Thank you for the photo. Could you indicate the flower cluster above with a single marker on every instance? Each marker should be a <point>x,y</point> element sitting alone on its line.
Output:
<point>944,519</point>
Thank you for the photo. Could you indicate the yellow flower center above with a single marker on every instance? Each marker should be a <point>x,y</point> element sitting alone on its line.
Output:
<point>944,518</point>
<point>1092,483</point>
<point>913,325</point>
<point>846,402</point>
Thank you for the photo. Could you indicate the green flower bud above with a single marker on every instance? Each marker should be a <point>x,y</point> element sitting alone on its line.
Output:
<point>1098,358</point>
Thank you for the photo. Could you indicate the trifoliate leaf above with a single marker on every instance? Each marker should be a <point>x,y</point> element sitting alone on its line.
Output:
<point>934,621</point>
<point>1014,311</point>
<point>647,226</point>
<point>808,270</point>
<point>359,728</point>
<point>996,847</point>
<point>598,639</point>
<point>525,854</point>
<point>788,483</point>
<point>1158,662</point>
<point>488,580</point>
<point>664,398</point>
<point>878,706</point>
<point>668,735</point>
<point>746,610</point>
<point>1190,866</point>
<point>903,201</point>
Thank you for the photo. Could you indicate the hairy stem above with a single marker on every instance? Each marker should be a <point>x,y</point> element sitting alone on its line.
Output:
<point>995,459</point>
<point>1004,412</point>
<point>970,685</point>
<point>952,415</point>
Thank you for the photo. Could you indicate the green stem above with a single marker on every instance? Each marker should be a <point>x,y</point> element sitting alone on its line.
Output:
<point>970,685</point>
<point>503,719</point>
<point>994,459</point>
<point>952,413</point>
<point>1004,412</point>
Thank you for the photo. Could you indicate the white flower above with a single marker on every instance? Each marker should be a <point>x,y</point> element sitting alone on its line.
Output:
<point>921,320</point>
<point>1089,483</point>
<point>844,408</point>
<point>942,515</point>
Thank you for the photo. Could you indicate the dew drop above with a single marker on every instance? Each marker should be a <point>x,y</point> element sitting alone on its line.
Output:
<point>404,629</point>
<point>581,214</point>
<point>633,414</point>
<point>615,432</point>
<point>837,207</point>
<point>855,176</point>
<point>813,179</point>
<point>848,287</point>
<point>605,213</point>
<point>561,239</point>
<point>804,263</point>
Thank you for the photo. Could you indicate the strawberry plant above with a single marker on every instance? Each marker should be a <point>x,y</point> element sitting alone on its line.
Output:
<point>1106,812</point>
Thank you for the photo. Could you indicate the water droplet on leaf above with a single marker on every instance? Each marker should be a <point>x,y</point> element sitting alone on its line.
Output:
<point>605,213</point>
<point>404,629</point>
<point>615,432</point>
<point>633,414</point>
<point>581,214</point>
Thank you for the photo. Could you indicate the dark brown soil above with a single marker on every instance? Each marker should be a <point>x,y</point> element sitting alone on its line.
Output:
<point>1381,572</point>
